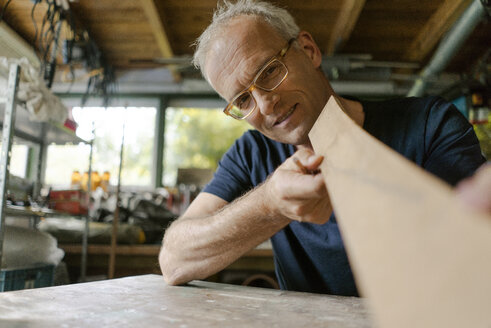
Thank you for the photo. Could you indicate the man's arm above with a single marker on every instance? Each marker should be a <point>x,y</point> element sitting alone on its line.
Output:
<point>212,233</point>
<point>201,243</point>
<point>451,146</point>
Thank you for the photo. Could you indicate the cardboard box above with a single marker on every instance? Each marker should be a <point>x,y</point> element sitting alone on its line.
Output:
<point>69,201</point>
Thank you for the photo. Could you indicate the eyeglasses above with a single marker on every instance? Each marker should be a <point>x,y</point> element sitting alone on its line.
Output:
<point>268,78</point>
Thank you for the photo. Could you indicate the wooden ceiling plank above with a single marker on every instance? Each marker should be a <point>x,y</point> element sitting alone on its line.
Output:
<point>438,24</point>
<point>345,23</point>
<point>157,26</point>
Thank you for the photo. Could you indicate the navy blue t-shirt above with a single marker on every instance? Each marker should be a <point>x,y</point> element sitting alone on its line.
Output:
<point>312,258</point>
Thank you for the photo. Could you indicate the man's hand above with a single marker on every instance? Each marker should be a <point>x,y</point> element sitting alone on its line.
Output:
<point>295,193</point>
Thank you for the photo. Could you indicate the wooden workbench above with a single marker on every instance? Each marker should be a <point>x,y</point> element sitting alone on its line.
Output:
<point>146,301</point>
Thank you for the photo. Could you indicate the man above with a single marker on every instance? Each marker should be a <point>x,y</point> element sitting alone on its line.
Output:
<point>256,57</point>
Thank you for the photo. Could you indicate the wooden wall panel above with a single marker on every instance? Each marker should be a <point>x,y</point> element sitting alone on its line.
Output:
<point>385,28</point>
<point>383,22</point>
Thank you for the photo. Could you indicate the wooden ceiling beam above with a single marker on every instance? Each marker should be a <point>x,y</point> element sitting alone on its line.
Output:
<point>435,28</point>
<point>156,23</point>
<point>345,23</point>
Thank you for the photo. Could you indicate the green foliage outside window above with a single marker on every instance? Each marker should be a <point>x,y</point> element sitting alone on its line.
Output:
<point>197,138</point>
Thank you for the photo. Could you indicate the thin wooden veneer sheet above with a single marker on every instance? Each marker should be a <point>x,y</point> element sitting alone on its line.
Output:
<point>419,256</point>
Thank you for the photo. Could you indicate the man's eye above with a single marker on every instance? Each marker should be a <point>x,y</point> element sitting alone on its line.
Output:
<point>270,71</point>
<point>269,74</point>
<point>243,101</point>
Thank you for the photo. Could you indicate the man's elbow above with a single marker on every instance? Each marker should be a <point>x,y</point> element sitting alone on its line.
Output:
<point>173,279</point>
<point>173,273</point>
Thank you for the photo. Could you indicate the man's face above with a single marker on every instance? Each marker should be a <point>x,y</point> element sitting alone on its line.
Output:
<point>287,113</point>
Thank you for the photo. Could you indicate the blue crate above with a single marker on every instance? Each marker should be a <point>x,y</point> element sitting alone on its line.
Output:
<point>26,278</point>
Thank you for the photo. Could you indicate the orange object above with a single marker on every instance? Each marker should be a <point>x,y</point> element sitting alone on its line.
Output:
<point>95,181</point>
<point>76,180</point>
<point>85,181</point>
<point>477,99</point>
<point>105,180</point>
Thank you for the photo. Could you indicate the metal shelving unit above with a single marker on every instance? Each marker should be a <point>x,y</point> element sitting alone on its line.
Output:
<point>16,122</point>
<point>41,132</point>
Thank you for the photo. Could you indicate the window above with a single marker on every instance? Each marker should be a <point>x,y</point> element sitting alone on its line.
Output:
<point>139,130</point>
<point>19,160</point>
<point>194,138</point>
<point>197,138</point>
<point>23,159</point>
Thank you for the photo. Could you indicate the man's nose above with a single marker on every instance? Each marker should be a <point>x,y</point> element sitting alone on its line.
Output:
<point>266,100</point>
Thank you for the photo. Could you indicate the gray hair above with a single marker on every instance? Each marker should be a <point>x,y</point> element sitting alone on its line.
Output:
<point>279,18</point>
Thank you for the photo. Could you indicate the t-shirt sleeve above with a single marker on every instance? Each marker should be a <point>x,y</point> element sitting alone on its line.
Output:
<point>232,179</point>
<point>451,147</point>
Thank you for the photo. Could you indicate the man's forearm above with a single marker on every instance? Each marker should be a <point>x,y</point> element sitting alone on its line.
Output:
<point>197,247</point>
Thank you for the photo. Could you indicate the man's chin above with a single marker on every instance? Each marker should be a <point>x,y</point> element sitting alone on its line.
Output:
<point>295,138</point>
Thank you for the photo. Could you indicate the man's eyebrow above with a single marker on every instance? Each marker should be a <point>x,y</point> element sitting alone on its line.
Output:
<point>259,68</point>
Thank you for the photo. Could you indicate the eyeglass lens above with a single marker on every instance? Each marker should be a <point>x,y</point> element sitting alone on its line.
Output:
<point>269,78</point>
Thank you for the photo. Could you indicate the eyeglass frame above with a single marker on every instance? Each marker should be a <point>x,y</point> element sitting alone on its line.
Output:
<point>279,57</point>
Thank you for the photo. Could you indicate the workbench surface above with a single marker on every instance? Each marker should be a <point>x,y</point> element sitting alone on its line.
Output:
<point>146,301</point>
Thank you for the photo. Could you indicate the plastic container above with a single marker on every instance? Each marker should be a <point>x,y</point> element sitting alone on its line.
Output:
<point>106,176</point>
<point>76,180</point>
<point>26,278</point>
<point>95,181</point>
<point>85,181</point>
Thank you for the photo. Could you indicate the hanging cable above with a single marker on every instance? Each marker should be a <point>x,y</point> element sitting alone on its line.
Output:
<point>4,9</point>
<point>34,22</point>
<point>78,48</point>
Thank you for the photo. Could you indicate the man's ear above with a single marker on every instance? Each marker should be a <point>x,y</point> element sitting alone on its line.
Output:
<point>310,48</point>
